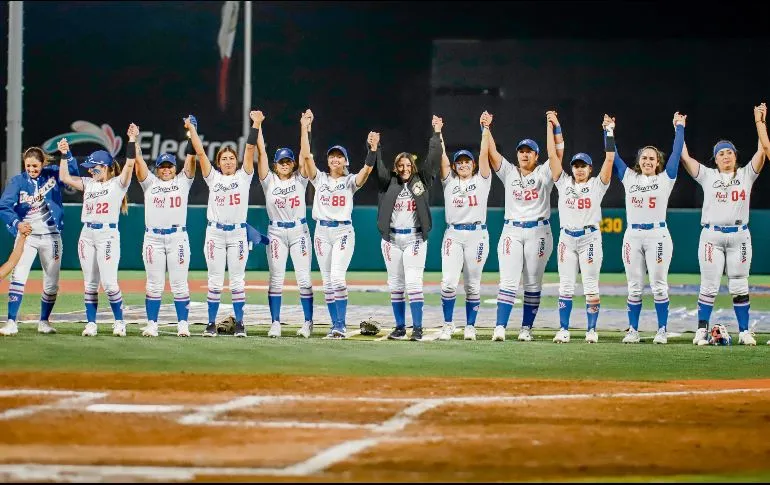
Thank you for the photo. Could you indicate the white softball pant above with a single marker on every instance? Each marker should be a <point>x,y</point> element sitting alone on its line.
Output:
<point>404,257</point>
<point>334,250</point>
<point>720,253</point>
<point>161,251</point>
<point>99,254</point>
<point>523,252</point>
<point>647,251</point>
<point>463,251</point>
<point>49,247</point>
<point>583,253</point>
<point>285,241</point>
<point>226,249</point>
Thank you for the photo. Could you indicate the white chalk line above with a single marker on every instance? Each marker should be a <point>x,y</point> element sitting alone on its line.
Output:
<point>315,464</point>
<point>77,400</point>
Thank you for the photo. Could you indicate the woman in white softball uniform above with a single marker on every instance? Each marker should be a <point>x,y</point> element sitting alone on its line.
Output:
<point>104,195</point>
<point>465,246</point>
<point>334,238</point>
<point>647,244</point>
<point>166,244</point>
<point>285,184</point>
<point>226,243</point>
<point>725,240</point>
<point>580,241</point>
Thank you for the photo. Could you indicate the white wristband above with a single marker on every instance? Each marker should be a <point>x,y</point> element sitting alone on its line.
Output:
<point>560,146</point>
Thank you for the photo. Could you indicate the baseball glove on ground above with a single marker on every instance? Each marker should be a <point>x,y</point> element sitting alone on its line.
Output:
<point>370,327</point>
<point>226,326</point>
<point>719,335</point>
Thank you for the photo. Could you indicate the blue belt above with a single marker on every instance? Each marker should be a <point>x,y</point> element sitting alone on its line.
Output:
<point>647,227</point>
<point>469,227</point>
<point>170,230</point>
<point>99,225</point>
<point>726,228</point>
<point>226,227</point>
<point>326,223</point>
<point>527,224</point>
<point>287,224</point>
<point>405,231</point>
<point>582,232</point>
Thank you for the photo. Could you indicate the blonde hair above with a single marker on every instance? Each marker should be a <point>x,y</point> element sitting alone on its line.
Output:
<point>38,154</point>
<point>661,166</point>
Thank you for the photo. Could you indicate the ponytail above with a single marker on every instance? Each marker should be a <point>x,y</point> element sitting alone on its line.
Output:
<point>115,172</point>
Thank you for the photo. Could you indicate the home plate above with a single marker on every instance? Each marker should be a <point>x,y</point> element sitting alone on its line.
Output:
<point>134,408</point>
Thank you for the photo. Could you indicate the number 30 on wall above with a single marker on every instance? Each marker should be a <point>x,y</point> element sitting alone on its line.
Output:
<point>611,224</point>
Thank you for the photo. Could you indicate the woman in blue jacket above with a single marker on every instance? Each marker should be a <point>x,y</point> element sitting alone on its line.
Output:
<point>32,201</point>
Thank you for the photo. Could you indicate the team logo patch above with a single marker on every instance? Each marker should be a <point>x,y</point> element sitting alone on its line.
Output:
<point>591,253</point>
<point>744,252</point>
<point>659,253</point>
<point>562,305</point>
<point>418,188</point>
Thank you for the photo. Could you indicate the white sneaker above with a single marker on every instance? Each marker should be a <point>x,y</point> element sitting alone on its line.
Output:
<point>183,329</point>
<point>562,336</point>
<point>746,338</point>
<point>90,330</point>
<point>592,337</point>
<point>632,337</point>
<point>306,330</point>
<point>499,334</point>
<point>119,328</point>
<point>469,333</point>
<point>9,328</point>
<point>701,337</point>
<point>44,327</point>
<point>275,330</point>
<point>446,331</point>
<point>661,337</point>
<point>525,334</point>
<point>151,330</point>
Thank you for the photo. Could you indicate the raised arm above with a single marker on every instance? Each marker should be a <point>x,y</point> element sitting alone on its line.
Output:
<point>191,125</point>
<point>495,158</point>
<point>605,175</point>
<point>554,158</point>
<point>433,159</point>
<point>672,165</point>
<point>374,151</point>
<point>251,142</point>
<point>73,181</point>
<point>15,255</point>
<point>306,160</point>
<point>691,165</point>
<point>128,168</point>
<point>445,168</point>
<point>619,167</point>
<point>140,166</point>
<point>263,165</point>
<point>373,141</point>
<point>763,149</point>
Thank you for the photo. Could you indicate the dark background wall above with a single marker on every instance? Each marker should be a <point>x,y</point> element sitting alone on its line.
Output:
<point>370,66</point>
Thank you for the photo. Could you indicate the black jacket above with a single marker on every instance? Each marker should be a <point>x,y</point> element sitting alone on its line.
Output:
<point>390,185</point>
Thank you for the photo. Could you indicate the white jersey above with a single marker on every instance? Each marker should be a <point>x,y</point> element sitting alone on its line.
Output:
<point>404,210</point>
<point>726,198</point>
<point>102,200</point>
<point>285,199</point>
<point>228,196</point>
<point>527,198</point>
<point>646,196</point>
<point>580,205</point>
<point>333,197</point>
<point>165,202</point>
<point>465,201</point>
<point>39,214</point>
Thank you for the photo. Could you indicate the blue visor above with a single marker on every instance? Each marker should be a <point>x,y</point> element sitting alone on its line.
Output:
<point>582,157</point>
<point>99,157</point>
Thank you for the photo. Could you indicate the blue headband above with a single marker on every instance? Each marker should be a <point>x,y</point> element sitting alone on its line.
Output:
<point>722,145</point>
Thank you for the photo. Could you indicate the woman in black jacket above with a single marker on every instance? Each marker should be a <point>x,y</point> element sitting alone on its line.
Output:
<point>404,222</point>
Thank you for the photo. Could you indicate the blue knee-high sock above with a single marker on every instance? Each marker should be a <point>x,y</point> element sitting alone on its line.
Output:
<point>634,310</point>
<point>306,299</point>
<point>15,294</point>
<point>116,303</point>
<point>152,307</point>
<point>212,299</point>
<point>274,302</point>
<point>471,309</point>
<point>531,305</point>
<point>705,305</point>
<point>399,308</point>
<point>505,299</point>
<point>182,307</point>
<point>742,314</point>
<point>416,301</point>
<point>448,305</point>
<point>331,304</point>
<point>565,310</point>
<point>239,301</point>
<point>91,299</point>
<point>661,309</point>
<point>592,314</point>
<point>341,299</point>
<point>46,305</point>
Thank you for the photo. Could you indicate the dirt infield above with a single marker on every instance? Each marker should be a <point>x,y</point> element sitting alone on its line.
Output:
<point>57,426</point>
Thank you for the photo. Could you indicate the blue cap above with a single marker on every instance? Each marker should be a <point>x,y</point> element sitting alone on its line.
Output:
<point>582,157</point>
<point>722,145</point>
<point>282,153</point>
<point>528,142</point>
<point>166,158</point>
<point>342,149</point>
<point>460,153</point>
<point>99,157</point>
